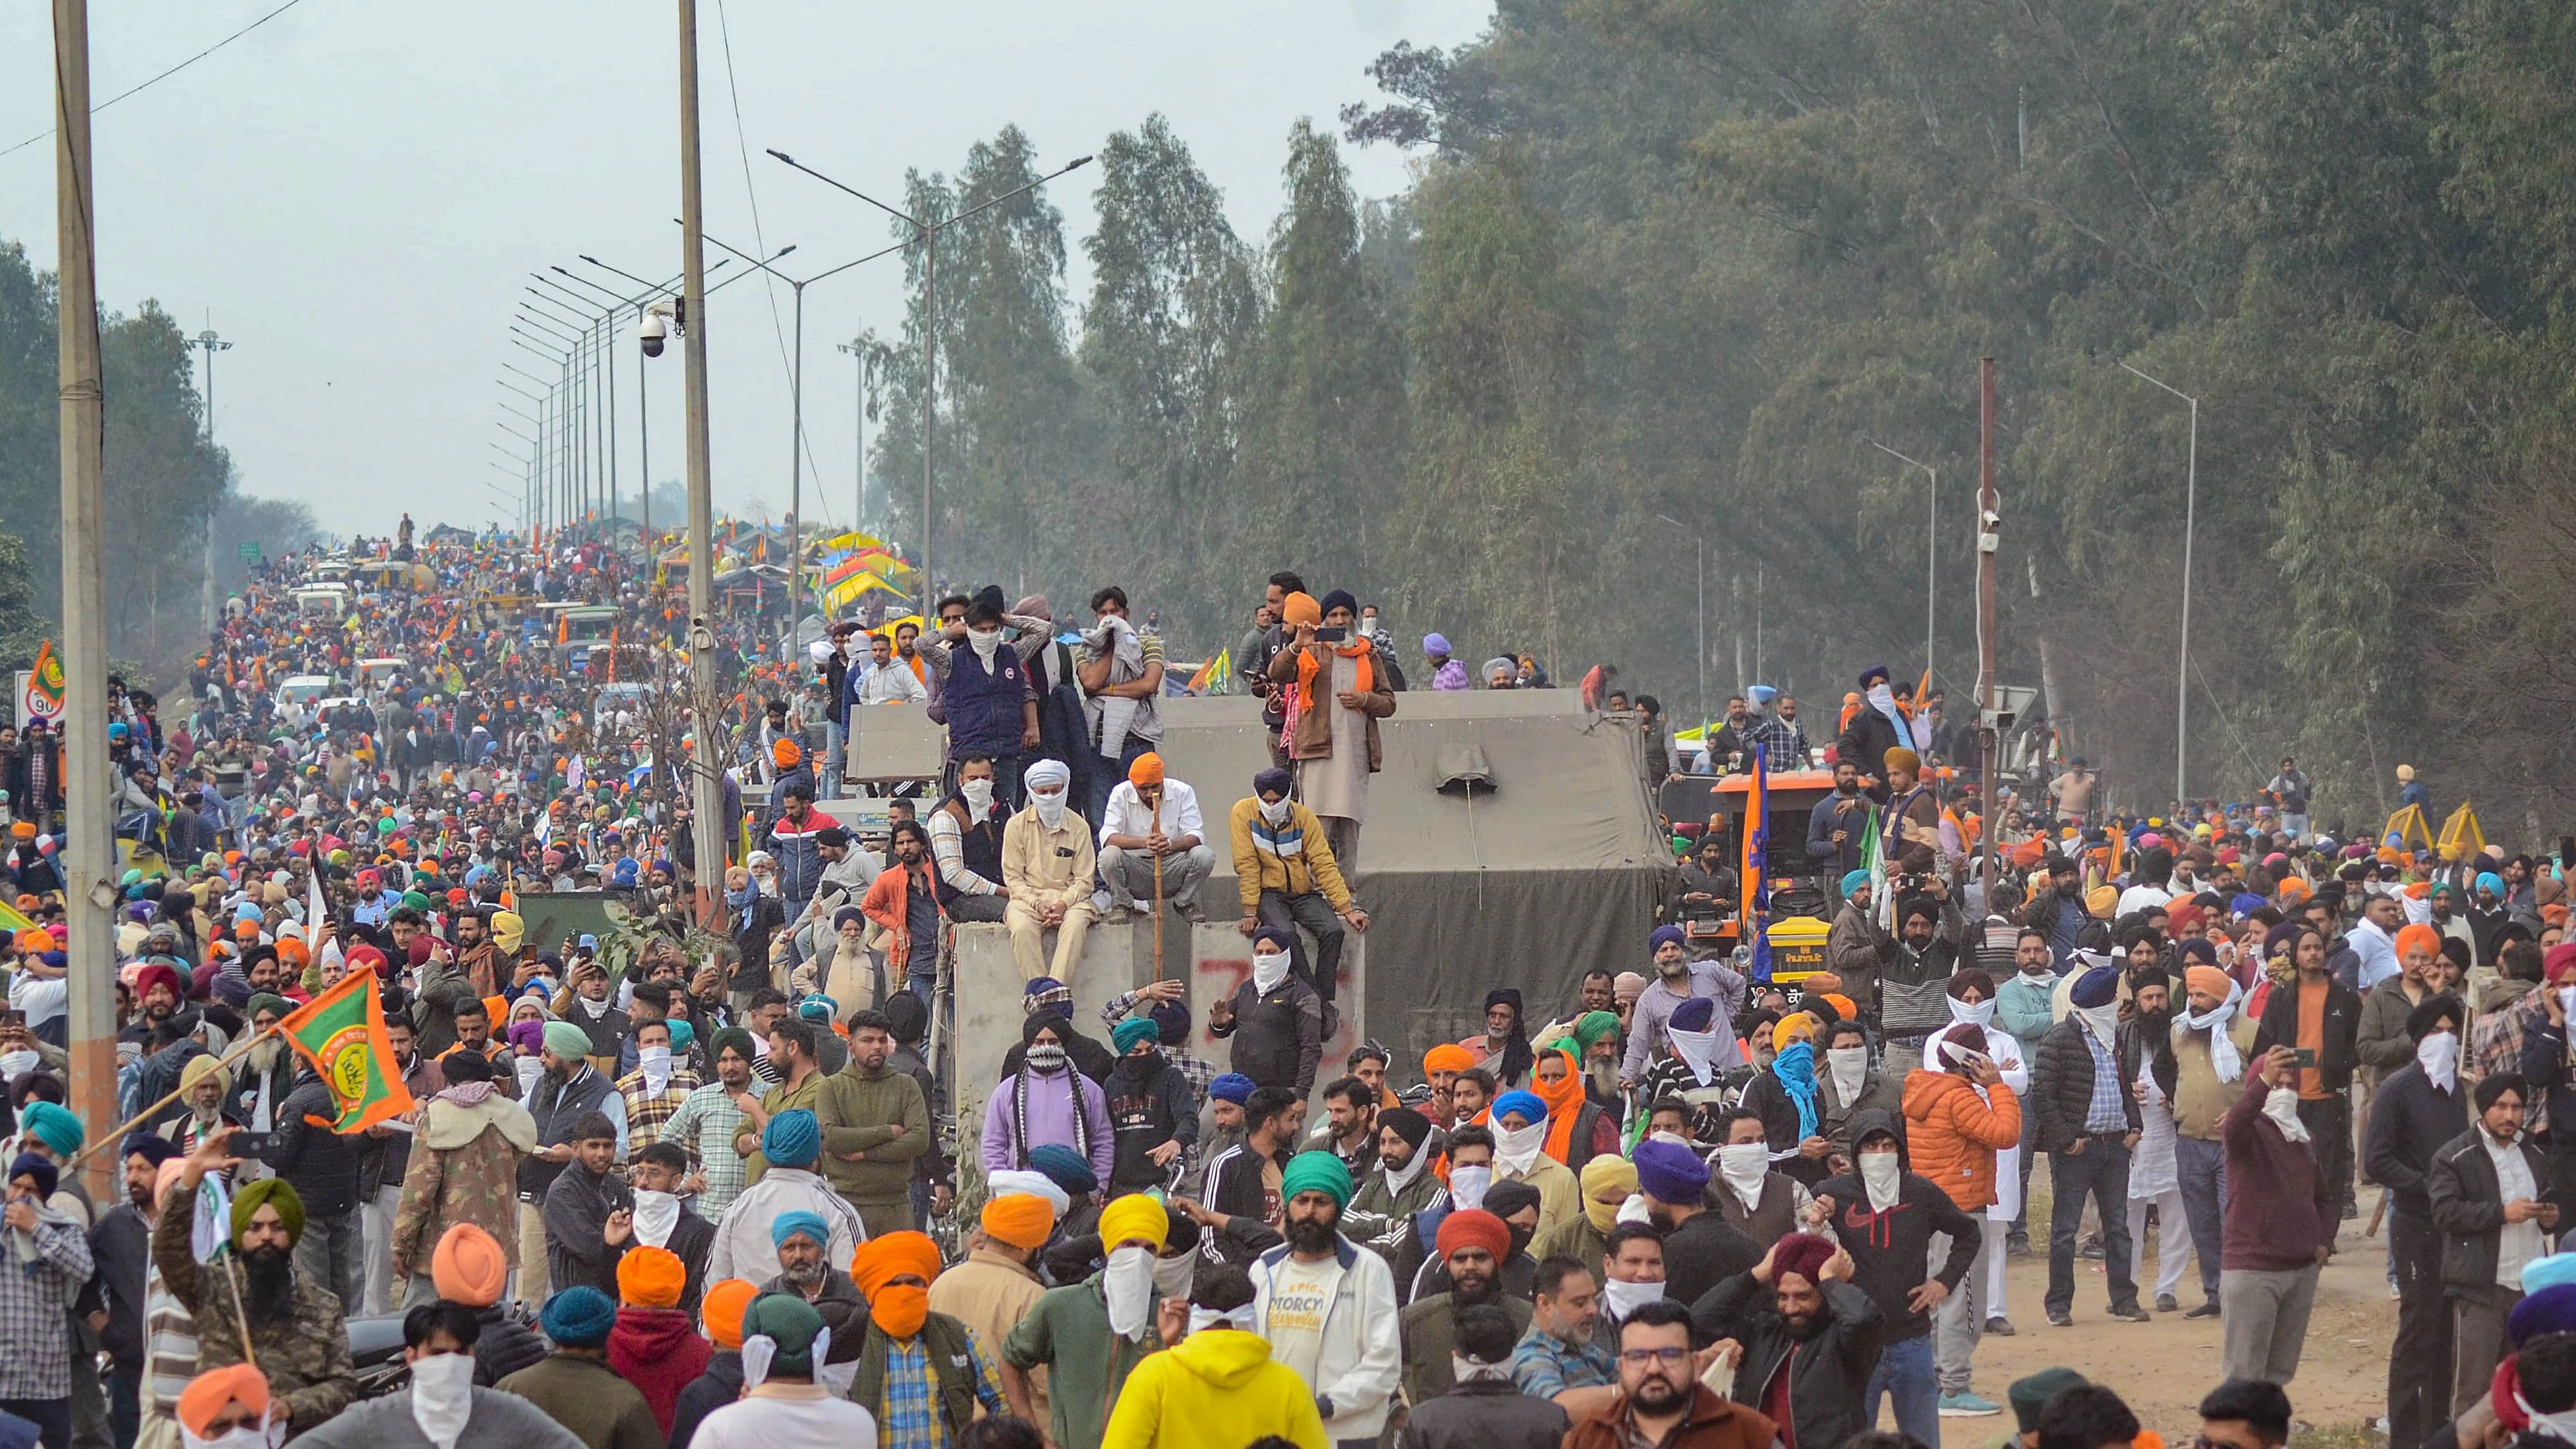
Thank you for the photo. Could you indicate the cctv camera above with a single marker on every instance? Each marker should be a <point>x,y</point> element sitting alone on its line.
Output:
<point>652,333</point>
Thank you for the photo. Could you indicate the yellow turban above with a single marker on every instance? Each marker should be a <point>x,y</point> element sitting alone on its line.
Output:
<point>1607,1182</point>
<point>1780,1034</point>
<point>1900,758</point>
<point>1021,1219</point>
<point>508,930</point>
<point>1134,1216</point>
<point>2101,901</point>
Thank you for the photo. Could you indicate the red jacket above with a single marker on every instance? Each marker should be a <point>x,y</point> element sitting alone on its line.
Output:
<point>657,1351</point>
<point>889,904</point>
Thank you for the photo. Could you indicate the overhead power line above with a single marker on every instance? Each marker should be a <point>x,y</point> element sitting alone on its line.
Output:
<point>165,75</point>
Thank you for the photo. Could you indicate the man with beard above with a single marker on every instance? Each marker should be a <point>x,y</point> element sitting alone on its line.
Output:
<point>157,986</point>
<point>1245,1209</point>
<point>1806,1340</point>
<point>704,1125</point>
<point>2155,1179</point>
<point>747,1242</point>
<point>325,1169</point>
<point>1484,1408</point>
<point>121,1249</point>
<point>296,1328</point>
<point>1701,1249</point>
<point>567,1091</point>
<point>474,1034</point>
<point>204,1085</point>
<point>1327,1309</point>
<point>1915,967</point>
<point>1517,1205</point>
<point>1679,979</point>
<point>1472,1245</point>
<point>574,1385</point>
<point>1661,1400</point>
<point>1151,1113</point>
<point>604,1026</point>
<point>1349,1129</point>
<point>446,985</point>
<point>441,1345</point>
<point>1382,1213</point>
<point>801,1239</point>
<point>49,1249</point>
<point>267,1070</point>
<point>876,1125</point>
<point>904,900</point>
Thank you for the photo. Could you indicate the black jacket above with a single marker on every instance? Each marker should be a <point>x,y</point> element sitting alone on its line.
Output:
<point>1827,1370</point>
<point>120,1247</point>
<point>504,1347</point>
<point>1865,742</point>
<point>1278,1038</point>
<point>320,1164</point>
<point>1149,1104</point>
<point>1888,1250</point>
<point>720,1385</point>
<point>2061,1085</point>
<point>2409,1122</point>
<point>1704,1252</point>
<point>1763,1094</point>
<point>2342,1049</point>
<point>1487,1414</point>
<point>2468,1211</point>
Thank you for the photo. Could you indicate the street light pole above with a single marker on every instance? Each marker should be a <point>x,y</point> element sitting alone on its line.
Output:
<point>2190,523</point>
<point>210,344</point>
<point>1702,540</point>
<point>1931,550</point>
<point>927,233</point>
<point>859,434</point>
<point>706,799</point>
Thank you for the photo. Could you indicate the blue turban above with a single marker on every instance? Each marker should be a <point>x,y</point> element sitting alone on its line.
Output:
<point>1435,644</point>
<point>792,1139</point>
<point>2097,987</point>
<point>1126,1034</point>
<point>682,1034</point>
<point>1699,1013</point>
<point>788,1224</point>
<point>2492,883</point>
<point>246,912</point>
<point>1876,672</point>
<point>1278,935</point>
<point>817,1007</point>
<point>2245,904</point>
<point>1065,1167</point>
<point>54,1125</point>
<point>1528,1104</point>
<point>2548,1272</point>
<point>1279,780</point>
<point>1670,1172</point>
<point>2551,1310</point>
<point>1339,599</point>
<point>579,1317</point>
<point>1655,939</point>
<point>1233,1087</point>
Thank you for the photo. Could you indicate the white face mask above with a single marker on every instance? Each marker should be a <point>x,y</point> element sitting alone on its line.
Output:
<point>1128,1282</point>
<point>2281,1104</point>
<point>14,1065</point>
<point>1881,697</point>
<point>1697,1050</point>
<point>529,1069</point>
<point>656,1213</point>
<point>1467,1185</point>
<point>1981,1015</point>
<point>262,1435</point>
<point>442,1396</point>
<point>1274,811</point>
<point>1743,1165</point>
<point>1879,1172</point>
<point>1847,1065</point>
<point>655,1063</point>
<point>978,795</point>
<point>1518,1147</point>
<point>1623,1299</point>
<point>2439,1055</point>
<point>985,642</point>
<point>1050,807</point>
<point>1172,1275</point>
<point>1269,968</point>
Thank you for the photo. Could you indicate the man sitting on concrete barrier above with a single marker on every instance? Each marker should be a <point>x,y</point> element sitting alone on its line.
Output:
<point>1048,863</point>
<point>1286,876</point>
<point>1150,818</point>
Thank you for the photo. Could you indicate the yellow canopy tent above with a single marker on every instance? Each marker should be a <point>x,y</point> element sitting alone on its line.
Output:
<point>2461,837</point>
<point>2406,828</point>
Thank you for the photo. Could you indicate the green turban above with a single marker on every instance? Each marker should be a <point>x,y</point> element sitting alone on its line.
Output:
<point>567,1041</point>
<point>1131,1031</point>
<point>275,1192</point>
<point>787,1320</point>
<point>415,900</point>
<point>1317,1172</point>
<point>1592,1026</point>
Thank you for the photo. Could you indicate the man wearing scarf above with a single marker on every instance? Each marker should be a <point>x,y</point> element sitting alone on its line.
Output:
<point>1335,694</point>
<point>1679,979</point>
<point>1472,1245</point>
<point>1577,1129</point>
<point>1400,1187</point>
<point>2281,1222</point>
<point>1520,1126</point>
<point>1784,1092</point>
<point>463,1171</point>
<point>2213,1039</point>
<point>1914,969</point>
<point>1275,1018</point>
<point>1886,1216</point>
<point>2088,1125</point>
<point>1047,1102</point>
<point>1286,876</point>
<point>966,845</point>
<point>296,1328</point>
<point>2416,1112</point>
<point>1874,729</point>
<point>1048,863</point>
<point>1689,1070</point>
<point>907,1344</point>
<point>1062,1334</point>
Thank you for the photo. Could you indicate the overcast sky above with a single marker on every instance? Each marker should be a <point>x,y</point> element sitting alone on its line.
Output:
<point>355,192</point>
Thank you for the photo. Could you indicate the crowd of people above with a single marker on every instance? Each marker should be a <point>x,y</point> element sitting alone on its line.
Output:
<point>708,1185</point>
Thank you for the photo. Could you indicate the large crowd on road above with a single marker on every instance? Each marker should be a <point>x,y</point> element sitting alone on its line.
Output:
<point>699,1176</point>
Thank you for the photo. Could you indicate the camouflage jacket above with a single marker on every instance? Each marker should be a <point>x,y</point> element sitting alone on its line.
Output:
<point>464,1169</point>
<point>305,1355</point>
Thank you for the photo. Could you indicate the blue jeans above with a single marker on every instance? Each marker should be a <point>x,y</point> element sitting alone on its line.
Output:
<point>1905,1374</point>
<point>2101,1169</point>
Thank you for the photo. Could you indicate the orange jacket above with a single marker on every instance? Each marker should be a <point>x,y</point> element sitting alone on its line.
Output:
<point>889,904</point>
<point>1952,1135</point>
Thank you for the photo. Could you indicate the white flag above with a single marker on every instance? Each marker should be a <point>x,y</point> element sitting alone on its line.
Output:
<point>211,1231</point>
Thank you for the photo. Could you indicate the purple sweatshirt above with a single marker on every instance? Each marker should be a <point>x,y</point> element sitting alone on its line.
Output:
<point>2278,1211</point>
<point>1051,1107</point>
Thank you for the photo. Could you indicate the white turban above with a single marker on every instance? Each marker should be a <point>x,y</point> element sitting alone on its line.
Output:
<point>1037,1184</point>
<point>1047,772</point>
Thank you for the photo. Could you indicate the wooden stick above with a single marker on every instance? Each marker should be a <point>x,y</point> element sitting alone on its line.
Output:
<point>129,1124</point>
<point>1158,893</point>
<point>241,1315</point>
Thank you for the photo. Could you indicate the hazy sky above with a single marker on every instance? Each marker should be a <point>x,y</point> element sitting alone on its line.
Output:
<point>356,192</point>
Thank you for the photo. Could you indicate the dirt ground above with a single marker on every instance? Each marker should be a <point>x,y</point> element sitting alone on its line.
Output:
<point>2163,1367</point>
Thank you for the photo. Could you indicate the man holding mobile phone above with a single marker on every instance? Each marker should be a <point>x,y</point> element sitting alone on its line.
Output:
<point>1334,697</point>
<point>2319,1019</point>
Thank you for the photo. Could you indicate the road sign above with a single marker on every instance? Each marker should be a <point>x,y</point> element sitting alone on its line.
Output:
<point>249,550</point>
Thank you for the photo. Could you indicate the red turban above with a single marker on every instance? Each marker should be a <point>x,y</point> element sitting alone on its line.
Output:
<point>1804,1254</point>
<point>1475,1228</point>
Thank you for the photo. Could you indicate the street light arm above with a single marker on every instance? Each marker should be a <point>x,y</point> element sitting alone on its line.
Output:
<point>513,387</point>
<point>1076,164</point>
<point>2177,392</point>
<point>546,334</point>
<point>1900,457</point>
<point>845,266</point>
<point>549,354</point>
<point>580,304</point>
<point>912,221</point>
<point>532,377</point>
<point>560,313</point>
<point>748,257</point>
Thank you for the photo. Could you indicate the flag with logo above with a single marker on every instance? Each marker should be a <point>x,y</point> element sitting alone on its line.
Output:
<point>342,1033</point>
<point>1755,916</point>
<point>1874,860</point>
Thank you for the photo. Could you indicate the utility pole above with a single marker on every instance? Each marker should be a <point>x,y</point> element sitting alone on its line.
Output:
<point>88,838</point>
<point>1989,538</point>
<point>796,486</point>
<point>859,436</point>
<point>2190,525</point>
<point>210,344</point>
<point>705,796</point>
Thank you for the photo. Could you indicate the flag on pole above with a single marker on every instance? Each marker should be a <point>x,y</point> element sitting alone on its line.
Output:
<point>13,921</point>
<point>210,1231</point>
<point>342,1033</point>
<point>574,777</point>
<point>314,911</point>
<point>1874,860</point>
<point>1755,917</point>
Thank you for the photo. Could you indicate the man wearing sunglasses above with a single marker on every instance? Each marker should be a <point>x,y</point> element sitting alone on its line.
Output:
<point>1660,1399</point>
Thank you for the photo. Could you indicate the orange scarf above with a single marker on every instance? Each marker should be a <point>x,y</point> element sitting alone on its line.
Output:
<point>1363,680</point>
<point>1564,1099</point>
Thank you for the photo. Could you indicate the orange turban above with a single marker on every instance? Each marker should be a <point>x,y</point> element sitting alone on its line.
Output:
<point>1448,1057</point>
<point>293,952</point>
<point>1147,770</point>
<point>469,1267</point>
<point>787,753</point>
<point>1021,1219</point>
<point>2207,980</point>
<point>2418,934</point>
<point>1841,1003</point>
<point>722,1310</point>
<point>881,1260</point>
<point>650,1277</point>
<point>2292,890</point>
<point>207,1393</point>
<point>1300,608</point>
